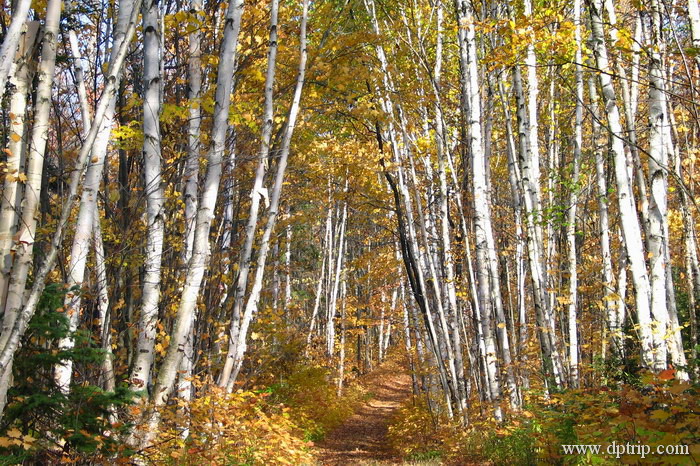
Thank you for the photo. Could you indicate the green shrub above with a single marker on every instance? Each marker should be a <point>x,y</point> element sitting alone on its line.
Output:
<point>40,421</point>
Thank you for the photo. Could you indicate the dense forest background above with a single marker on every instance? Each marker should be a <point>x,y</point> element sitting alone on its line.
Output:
<point>217,217</point>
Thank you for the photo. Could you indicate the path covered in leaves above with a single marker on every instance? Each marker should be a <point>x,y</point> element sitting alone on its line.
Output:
<point>362,438</point>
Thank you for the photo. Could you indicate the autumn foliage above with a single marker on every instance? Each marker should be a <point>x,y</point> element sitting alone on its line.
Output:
<point>234,428</point>
<point>655,411</point>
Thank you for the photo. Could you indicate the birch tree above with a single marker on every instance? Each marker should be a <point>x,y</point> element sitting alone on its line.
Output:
<point>11,335</point>
<point>16,156</point>
<point>573,201</point>
<point>21,79</point>
<point>11,40</point>
<point>150,297</point>
<point>628,213</point>
<point>257,194</point>
<point>252,302</point>
<point>36,150</point>
<point>205,213</point>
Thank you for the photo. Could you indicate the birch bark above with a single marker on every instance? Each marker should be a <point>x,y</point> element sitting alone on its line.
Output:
<point>632,235</point>
<point>21,79</point>
<point>205,213</point>
<point>573,201</point>
<point>36,151</point>
<point>257,194</point>
<point>11,40</point>
<point>11,335</point>
<point>194,79</point>
<point>252,304</point>
<point>155,226</point>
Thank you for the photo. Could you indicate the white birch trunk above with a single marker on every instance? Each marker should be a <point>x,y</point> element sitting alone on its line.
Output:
<point>140,376</point>
<point>341,357</point>
<point>386,341</point>
<point>11,336</point>
<point>573,201</point>
<point>11,40</point>
<point>628,212</point>
<point>287,269</point>
<point>657,220</point>
<point>22,71</point>
<point>21,79</point>
<point>194,80</point>
<point>252,303</point>
<point>36,148</point>
<point>205,213</point>
<point>533,117</point>
<point>380,333</point>
<point>257,194</point>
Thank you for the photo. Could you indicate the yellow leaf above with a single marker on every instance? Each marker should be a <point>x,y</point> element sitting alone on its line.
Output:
<point>15,137</point>
<point>14,433</point>
<point>678,388</point>
<point>660,414</point>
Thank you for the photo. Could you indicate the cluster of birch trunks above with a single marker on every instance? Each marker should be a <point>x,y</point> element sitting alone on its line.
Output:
<point>490,330</point>
<point>484,270</point>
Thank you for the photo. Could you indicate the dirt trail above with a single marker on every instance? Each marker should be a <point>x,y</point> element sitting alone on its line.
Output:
<point>362,438</point>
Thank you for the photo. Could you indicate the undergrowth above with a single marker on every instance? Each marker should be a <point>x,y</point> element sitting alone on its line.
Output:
<point>275,425</point>
<point>312,399</point>
<point>657,411</point>
<point>43,424</point>
<point>231,429</point>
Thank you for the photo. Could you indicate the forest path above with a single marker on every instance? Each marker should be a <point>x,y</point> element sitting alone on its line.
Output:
<point>363,437</point>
